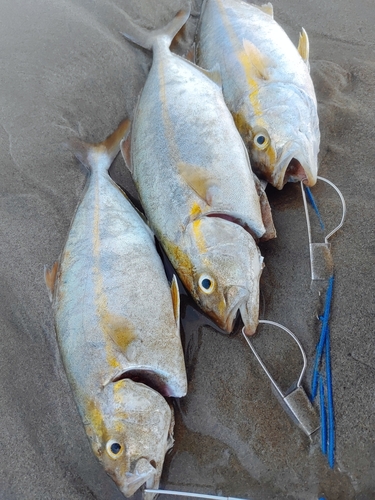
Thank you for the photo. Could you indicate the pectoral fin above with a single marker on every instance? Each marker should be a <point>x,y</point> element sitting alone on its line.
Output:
<point>257,64</point>
<point>120,329</point>
<point>198,179</point>
<point>50,278</point>
<point>175,300</point>
<point>304,47</point>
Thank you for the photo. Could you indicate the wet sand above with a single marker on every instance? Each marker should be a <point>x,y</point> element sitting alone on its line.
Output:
<point>66,71</point>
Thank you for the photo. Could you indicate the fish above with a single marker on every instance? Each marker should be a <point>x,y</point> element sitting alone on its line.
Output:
<point>192,173</point>
<point>266,85</point>
<point>117,322</point>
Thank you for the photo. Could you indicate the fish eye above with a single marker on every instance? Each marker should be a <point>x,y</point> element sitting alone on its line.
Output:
<point>206,283</point>
<point>114,449</point>
<point>261,141</point>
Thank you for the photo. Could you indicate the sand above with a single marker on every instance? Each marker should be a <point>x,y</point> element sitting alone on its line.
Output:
<point>66,71</point>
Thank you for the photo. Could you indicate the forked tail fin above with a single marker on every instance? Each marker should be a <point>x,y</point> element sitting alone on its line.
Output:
<point>100,156</point>
<point>146,38</point>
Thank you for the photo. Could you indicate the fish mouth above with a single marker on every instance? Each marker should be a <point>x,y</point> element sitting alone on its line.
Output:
<point>144,472</point>
<point>232,319</point>
<point>293,171</point>
<point>250,318</point>
<point>238,317</point>
<point>235,311</point>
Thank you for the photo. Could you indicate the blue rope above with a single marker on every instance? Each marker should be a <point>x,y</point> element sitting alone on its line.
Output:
<point>327,420</point>
<point>323,416</point>
<point>315,206</point>
<point>322,340</point>
<point>330,409</point>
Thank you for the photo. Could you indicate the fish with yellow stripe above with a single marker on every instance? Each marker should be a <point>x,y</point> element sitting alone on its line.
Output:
<point>193,176</point>
<point>266,85</point>
<point>117,325</point>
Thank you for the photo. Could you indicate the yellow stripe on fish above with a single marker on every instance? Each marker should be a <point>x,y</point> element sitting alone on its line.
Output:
<point>199,237</point>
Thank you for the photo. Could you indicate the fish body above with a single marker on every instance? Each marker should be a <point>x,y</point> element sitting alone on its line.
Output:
<point>192,172</point>
<point>117,325</point>
<point>266,85</point>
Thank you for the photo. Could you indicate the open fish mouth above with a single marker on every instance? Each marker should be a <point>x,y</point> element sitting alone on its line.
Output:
<point>144,472</point>
<point>295,172</point>
<point>235,314</point>
<point>232,319</point>
<point>292,170</point>
<point>239,317</point>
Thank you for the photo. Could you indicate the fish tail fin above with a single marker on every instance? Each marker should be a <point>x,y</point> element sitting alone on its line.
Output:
<point>100,156</point>
<point>146,38</point>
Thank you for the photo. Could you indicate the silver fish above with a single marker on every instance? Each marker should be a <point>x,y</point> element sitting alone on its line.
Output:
<point>266,85</point>
<point>117,325</point>
<point>192,172</point>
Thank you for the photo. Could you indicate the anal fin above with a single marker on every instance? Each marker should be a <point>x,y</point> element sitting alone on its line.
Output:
<point>176,300</point>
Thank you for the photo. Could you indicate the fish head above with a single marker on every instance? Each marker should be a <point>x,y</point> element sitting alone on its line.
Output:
<point>224,270</point>
<point>130,429</point>
<point>282,135</point>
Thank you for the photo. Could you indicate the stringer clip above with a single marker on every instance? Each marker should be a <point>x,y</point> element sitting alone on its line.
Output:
<point>321,260</point>
<point>295,403</point>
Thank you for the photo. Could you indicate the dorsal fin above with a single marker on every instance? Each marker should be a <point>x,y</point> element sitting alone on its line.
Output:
<point>304,47</point>
<point>176,300</point>
<point>267,8</point>
<point>257,63</point>
<point>50,278</point>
